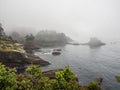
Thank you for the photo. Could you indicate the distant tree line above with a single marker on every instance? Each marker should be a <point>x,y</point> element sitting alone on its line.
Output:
<point>3,36</point>
<point>42,38</point>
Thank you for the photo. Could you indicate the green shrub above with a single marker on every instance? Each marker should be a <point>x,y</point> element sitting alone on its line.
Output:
<point>34,71</point>
<point>33,80</point>
<point>93,86</point>
<point>7,78</point>
<point>117,78</point>
<point>23,83</point>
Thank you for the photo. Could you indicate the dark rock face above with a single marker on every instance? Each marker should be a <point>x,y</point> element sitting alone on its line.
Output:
<point>37,60</point>
<point>17,59</point>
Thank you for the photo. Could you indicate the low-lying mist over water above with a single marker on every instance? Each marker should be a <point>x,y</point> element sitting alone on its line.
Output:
<point>84,34</point>
<point>79,19</point>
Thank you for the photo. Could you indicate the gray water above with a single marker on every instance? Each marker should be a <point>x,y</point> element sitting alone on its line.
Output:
<point>88,63</point>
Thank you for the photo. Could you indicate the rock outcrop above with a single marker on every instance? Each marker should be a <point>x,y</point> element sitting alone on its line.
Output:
<point>94,42</point>
<point>13,55</point>
<point>56,53</point>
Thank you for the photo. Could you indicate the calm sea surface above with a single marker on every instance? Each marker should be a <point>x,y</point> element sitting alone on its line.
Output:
<point>88,63</point>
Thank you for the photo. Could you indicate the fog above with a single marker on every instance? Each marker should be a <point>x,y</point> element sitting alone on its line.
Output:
<point>79,19</point>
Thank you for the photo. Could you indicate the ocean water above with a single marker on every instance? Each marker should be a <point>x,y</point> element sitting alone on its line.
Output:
<point>88,63</point>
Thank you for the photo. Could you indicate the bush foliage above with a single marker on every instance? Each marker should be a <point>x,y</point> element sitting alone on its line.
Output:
<point>33,80</point>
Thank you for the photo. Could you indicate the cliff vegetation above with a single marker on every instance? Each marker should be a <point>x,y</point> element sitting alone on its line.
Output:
<point>35,80</point>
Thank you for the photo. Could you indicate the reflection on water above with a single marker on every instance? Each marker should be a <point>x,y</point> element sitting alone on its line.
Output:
<point>88,63</point>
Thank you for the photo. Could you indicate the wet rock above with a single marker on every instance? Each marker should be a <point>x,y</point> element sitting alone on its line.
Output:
<point>56,53</point>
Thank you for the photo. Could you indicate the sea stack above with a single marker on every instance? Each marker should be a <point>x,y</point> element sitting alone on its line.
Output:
<point>94,42</point>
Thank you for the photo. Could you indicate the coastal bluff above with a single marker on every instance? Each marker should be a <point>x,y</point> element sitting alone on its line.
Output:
<point>13,55</point>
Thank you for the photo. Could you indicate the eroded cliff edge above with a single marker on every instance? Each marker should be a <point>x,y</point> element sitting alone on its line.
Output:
<point>12,54</point>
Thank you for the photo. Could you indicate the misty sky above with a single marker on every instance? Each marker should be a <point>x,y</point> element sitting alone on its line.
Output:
<point>79,19</point>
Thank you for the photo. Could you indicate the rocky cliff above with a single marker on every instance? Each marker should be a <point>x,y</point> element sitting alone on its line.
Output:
<point>13,55</point>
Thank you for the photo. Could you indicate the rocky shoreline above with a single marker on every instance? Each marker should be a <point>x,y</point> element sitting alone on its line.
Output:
<point>17,59</point>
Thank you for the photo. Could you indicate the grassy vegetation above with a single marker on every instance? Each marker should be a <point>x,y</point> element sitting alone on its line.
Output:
<point>8,46</point>
<point>34,80</point>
